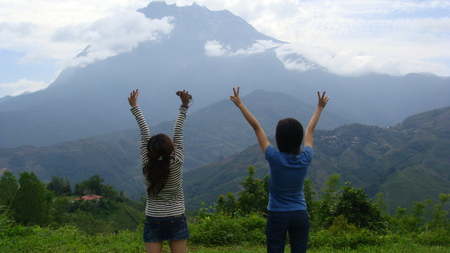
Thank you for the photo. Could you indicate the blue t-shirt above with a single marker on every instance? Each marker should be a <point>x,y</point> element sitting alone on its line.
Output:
<point>286,177</point>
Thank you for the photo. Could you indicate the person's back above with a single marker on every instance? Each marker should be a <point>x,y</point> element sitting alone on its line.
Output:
<point>162,160</point>
<point>286,176</point>
<point>287,210</point>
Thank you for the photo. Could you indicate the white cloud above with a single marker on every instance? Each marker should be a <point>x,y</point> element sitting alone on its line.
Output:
<point>352,37</point>
<point>20,87</point>
<point>348,37</point>
<point>112,35</point>
<point>354,62</point>
<point>214,48</point>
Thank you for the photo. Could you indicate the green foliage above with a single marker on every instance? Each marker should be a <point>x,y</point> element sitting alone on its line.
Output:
<point>439,237</point>
<point>218,229</point>
<point>32,202</point>
<point>309,194</point>
<point>440,216</point>
<point>253,199</point>
<point>326,205</point>
<point>341,234</point>
<point>226,205</point>
<point>406,222</point>
<point>8,188</point>
<point>59,211</point>
<point>95,185</point>
<point>356,206</point>
<point>350,202</point>
<point>60,186</point>
<point>423,217</point>
<point>90,224</point>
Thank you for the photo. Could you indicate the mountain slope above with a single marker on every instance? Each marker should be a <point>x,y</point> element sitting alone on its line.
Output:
<point>210,134</point>
<point>91,100</point>
<point>409,162</point>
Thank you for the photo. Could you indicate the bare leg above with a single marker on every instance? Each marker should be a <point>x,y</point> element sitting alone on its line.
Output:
<point>178,246</point>
<point>153,247</point>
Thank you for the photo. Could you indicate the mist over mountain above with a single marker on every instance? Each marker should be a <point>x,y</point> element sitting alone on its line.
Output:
<point>207,53</point>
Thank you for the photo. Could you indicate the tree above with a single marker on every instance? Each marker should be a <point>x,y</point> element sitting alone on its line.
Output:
<point>255,196</point>
<point>227,205</point>
<point>8,188</point>
<point>95,185</point>
<point>253,199</point>
<point>309,194</point>
<point>354,204</point>
<point>324,208</point>
<point>60,186</point>
<point>347,201</point>
<point>90,186</point>
<point>32,202</point>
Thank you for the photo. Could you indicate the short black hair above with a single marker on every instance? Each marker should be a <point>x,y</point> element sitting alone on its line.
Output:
<point>289,136</point>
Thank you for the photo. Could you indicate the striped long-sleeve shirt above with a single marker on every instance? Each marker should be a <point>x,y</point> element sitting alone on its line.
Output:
<point>170,201</point>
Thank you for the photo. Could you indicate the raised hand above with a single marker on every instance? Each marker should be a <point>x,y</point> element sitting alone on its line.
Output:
<point>235,98</point>
<point>132,99</point>
<point>323,100</point>
<point>185,97</point>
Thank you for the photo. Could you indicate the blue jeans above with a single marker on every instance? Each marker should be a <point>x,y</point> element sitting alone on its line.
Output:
<point>296,223</point>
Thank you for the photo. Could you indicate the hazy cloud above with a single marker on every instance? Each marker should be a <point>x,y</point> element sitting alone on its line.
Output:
<point>354,37</point>
<point>21,29</point>
<point>214,48</point>
<point>20,87</point>
<point>352,63</point>
<point>113,35</point>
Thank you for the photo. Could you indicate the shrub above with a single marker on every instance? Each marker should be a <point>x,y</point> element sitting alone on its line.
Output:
<point>357,207</point>
<point>219,230</point>
<point>434,238</point>
<point>343,235</point>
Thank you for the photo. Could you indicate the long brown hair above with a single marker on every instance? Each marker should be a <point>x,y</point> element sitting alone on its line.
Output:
<point>156,170</point>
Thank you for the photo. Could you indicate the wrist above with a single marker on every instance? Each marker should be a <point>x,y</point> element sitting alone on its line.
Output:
<point>185,106</point>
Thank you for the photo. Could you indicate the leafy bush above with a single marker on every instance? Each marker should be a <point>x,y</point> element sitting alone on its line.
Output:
<point>439,237</point>
<point>357,207</point>
<point>343,235</point>
<point>218,229</point>
<point>89,224</point>
<point>253,199</point>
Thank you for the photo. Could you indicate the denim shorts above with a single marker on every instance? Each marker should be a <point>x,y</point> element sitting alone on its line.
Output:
<point>172,228</point>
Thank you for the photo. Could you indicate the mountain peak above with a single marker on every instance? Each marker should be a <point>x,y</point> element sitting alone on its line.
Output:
<point>197,22</point>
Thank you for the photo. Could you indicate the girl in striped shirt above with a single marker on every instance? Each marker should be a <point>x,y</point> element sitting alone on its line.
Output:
<point>162,160</point>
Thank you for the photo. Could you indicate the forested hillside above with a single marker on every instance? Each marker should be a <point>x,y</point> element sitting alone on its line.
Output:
<point>409,162</point>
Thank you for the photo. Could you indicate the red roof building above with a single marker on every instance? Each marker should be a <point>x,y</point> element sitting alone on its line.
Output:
<point>90,197</point>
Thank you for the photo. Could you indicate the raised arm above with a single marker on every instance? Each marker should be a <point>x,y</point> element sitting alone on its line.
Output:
<point>179,123</point>
<point>309,133</point>
<point>145,132</point>
<point>260,135</point>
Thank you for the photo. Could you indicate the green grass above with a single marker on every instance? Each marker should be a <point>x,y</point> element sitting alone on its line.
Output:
<point>70,239</point>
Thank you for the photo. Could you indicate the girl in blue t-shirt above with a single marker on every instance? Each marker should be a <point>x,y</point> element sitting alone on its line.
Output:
<point>288,164</point>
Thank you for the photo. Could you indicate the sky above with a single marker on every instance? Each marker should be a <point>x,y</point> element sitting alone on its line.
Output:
<point>39,38</point>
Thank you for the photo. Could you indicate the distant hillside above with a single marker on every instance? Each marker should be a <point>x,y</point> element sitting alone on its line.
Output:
<point>210,133</point>
<point>409,162</point>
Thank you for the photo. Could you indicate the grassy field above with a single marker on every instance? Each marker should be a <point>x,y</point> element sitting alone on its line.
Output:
<point>70,239</point>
